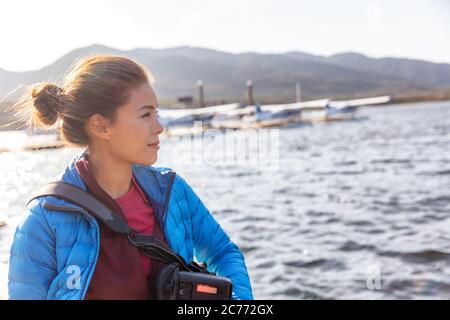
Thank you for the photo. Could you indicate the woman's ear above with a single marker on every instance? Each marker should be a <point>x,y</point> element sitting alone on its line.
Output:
<point>99,127</point>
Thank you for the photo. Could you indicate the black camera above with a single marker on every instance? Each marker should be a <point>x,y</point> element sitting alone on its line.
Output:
<point>173,284</point>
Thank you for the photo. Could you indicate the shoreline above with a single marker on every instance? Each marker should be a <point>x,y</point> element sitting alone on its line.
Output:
<point>396,100</point>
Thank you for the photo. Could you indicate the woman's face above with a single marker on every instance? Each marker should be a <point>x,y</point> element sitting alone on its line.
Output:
<point>134,136</point>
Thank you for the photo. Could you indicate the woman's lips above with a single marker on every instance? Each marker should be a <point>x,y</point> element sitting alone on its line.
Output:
<point>154,145</point>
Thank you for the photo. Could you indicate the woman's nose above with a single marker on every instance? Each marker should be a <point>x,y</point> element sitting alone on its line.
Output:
<point>157,127</point>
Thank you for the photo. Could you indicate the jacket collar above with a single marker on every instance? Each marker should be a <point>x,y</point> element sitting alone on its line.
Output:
<point>155,182</point>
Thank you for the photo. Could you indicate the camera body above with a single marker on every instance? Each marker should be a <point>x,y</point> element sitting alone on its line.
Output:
<point>173,284</point>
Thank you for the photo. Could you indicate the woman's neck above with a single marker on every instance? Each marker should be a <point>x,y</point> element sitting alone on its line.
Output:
<point>113,175</point>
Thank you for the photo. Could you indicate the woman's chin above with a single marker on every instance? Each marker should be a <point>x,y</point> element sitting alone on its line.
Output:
<point>150,160</point>
<point>146,159</point>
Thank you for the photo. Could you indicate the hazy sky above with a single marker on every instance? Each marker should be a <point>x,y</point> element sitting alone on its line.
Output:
<point>36,33</point>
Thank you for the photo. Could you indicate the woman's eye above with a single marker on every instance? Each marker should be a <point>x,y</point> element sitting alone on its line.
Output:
<point>146,115</point>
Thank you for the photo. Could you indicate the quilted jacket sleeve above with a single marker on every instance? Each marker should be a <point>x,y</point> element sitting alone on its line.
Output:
<point>32,264</point>
<point>214,246</point>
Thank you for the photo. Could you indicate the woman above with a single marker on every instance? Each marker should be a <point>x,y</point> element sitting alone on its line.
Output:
<point>108,105</point>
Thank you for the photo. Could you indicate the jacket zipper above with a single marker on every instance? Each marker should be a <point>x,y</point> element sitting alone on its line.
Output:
<point>162,223</point>
<point>166,203</point>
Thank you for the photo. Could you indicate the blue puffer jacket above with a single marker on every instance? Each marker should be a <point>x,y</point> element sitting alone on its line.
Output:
<point>56,246</point>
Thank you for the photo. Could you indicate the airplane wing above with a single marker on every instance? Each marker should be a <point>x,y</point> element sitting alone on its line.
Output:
<point>235,108</point>
<point>305,105</point>
<point>179,113</point>
<point>361,102</point>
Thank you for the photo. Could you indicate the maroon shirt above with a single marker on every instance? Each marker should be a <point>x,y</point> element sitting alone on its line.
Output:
<point>119,272</point>
<point>139,215</point>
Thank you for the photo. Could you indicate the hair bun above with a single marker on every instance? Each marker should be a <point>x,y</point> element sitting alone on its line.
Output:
<point>48,100</point>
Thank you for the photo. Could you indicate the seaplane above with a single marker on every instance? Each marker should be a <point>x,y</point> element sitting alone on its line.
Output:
<point>265,116</point>
<point>343,110</point>
<point>239,116</point>
<point>191,120</point>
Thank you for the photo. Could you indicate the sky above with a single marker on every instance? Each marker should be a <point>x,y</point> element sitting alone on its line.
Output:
<point>34,34</point>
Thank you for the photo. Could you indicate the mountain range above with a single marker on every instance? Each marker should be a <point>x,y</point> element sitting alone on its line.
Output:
<point>176,71</point>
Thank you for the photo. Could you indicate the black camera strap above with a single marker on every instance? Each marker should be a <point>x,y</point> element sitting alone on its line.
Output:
<point>150,246</point>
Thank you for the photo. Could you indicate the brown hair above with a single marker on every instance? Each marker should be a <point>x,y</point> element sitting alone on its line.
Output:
<point>96,84</point>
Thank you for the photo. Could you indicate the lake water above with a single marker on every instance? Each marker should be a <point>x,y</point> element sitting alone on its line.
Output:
<point>345,210</point>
